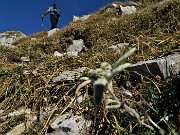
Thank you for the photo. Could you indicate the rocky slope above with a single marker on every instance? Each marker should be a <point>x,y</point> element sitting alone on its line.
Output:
<point>40,74</point>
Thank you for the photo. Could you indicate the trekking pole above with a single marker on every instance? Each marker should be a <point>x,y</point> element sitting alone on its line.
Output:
<point>42,22</point>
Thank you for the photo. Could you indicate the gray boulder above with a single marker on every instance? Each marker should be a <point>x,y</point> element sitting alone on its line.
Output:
<point>69,75</point>
<point>25,59</point>
<point>7,38</point>
<point>128,9</point>
<point>113,48</point>
<point>33,39</point>
<point>78,46</point>
<point>73,50</point>
<point>118,46</point>
<point>162,2</point>
<point>81,18</point>
<point>68,54</point>
<point>111,7</point>
<point>20,128</point>
<point>69,124</point>
<point>123,10</point>
<point>163,67</point>
<point>52,32</point>
<point>58,54</point>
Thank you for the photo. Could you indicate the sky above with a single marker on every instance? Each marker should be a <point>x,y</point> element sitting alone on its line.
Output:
<point>25,15</point>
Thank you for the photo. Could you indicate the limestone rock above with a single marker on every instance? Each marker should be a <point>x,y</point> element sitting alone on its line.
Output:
<point>118,46</point>
<point>111,7</point>
<point>128,9</point>
<point>72,50</point>
<point>69,75</point>
<point>25,59</point>
<point>18,112</point>
<point>58,54</point>
<point>82,18</point>
<point>33,39</point>
<point>69,124</point>
<point>69,54</point>
<point>52,32</point>
<point>112,48</point>
<point>78,46</point>
<point>19,129</point>
<point>26,72</point>
<point>122,10</point>
<point>7,38</point>
<point>163,67</point>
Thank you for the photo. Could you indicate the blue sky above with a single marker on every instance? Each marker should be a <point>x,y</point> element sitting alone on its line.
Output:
<point>25,15</point>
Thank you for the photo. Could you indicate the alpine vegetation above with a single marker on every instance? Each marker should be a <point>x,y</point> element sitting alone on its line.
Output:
<point>101,79</point>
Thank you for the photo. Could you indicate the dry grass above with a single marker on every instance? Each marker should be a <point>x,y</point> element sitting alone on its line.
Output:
<point>153,30</point>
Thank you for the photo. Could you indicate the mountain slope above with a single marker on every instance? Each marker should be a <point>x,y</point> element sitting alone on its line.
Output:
<point>153,30</point>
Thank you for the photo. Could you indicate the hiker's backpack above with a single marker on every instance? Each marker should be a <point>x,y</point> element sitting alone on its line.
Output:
<point>56,10</point>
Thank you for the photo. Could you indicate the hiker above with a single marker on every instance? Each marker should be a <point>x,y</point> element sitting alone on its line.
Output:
<point>54,15</point>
